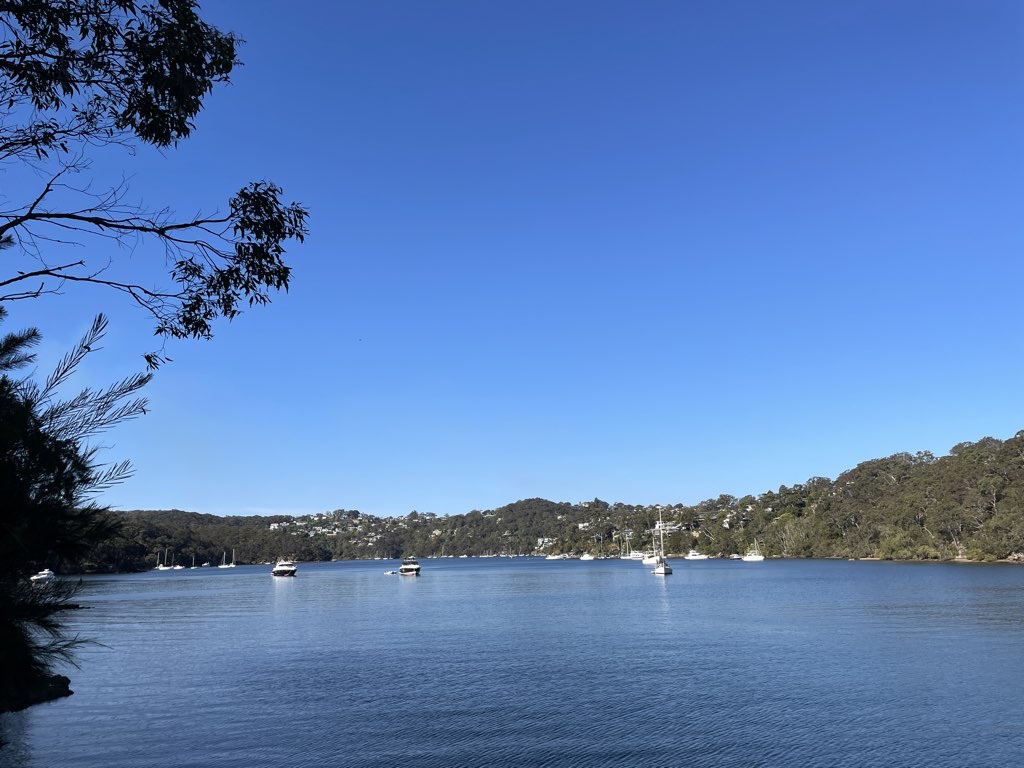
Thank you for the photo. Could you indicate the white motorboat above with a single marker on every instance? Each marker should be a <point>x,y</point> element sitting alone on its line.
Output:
<point>586,556</point>
<point>693,554</point>
<point>285,568</point>
<point>410,567</point>
<point>649,558</point>
<point>753,555</point>
<point>45,576</point>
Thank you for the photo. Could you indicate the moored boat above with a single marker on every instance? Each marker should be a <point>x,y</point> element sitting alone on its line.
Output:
<point>162,566</point>
<point>693,554</point>
<point>661,566</point>
<point>45,576</point>
<point>753,554</point>
<point>224,560</point>
<point>285,568</point>
<point>410,567</point>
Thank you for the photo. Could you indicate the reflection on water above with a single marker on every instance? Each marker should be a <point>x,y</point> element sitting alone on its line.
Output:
<point>527,662</point>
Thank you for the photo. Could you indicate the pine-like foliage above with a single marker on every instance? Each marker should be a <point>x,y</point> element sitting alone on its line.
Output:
<point>49,474</point>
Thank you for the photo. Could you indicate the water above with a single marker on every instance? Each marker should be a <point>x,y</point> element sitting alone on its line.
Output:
<point>525,662</point>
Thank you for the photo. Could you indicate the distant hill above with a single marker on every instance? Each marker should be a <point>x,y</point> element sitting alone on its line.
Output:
<point>968,504</point>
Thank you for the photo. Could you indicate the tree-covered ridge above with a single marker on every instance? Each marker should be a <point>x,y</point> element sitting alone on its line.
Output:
<point>906,506</point>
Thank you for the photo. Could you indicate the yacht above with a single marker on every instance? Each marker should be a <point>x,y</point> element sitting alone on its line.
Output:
<point>162,566</point>
<point>45,576</point>
<point>693,554</point>
<point>753,555</point>
<point>410,567</point>
<point>586,556</point>
<point>626,551</point>
<point>661,566</point>
<point>285,568</point>
<point>224,560</point>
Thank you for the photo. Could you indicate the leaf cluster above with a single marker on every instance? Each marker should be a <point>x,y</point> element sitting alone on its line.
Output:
<point>80,74</point>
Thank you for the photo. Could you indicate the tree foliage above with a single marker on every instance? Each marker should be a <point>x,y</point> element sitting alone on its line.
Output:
<point>76,75</point>
<point>969,504</point>
<point>49,477</point>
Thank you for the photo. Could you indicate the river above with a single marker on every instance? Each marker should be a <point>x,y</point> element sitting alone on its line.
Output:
<point>524,662</point>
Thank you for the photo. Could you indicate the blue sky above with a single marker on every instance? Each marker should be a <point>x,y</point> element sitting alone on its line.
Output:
<point>650,252</point>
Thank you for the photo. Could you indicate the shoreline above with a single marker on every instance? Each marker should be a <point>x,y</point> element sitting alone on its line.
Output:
<point>37,691</point>
<point>966,560</point>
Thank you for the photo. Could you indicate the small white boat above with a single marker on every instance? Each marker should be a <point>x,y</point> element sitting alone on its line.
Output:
<point>162,566</point>
<point>45,576</point>
<point>224,560</point>
<point>586,556</point>
<point>285,568</point>
<point>649,558</point>
<point>410,567</point>
<point>753,555</point>
<point>661,566</point>
<point>693,554</point>
<point>629,554</point>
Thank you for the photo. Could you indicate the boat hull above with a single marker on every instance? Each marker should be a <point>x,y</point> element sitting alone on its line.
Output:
<point>284,568</point>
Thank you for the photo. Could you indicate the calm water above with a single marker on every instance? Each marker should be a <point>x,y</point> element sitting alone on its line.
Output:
<point>525,662</point>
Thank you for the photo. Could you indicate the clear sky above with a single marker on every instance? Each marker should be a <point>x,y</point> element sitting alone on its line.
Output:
<point>650,252</point>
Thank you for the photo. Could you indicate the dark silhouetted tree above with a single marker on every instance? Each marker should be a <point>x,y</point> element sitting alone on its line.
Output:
<point>49,476</point>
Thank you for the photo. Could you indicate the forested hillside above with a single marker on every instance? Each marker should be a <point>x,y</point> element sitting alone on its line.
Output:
<point>968,504</point>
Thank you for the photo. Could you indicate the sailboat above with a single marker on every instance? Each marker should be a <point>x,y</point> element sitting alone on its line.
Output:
<point>661,566</point>
<point>629,554</point>
<point>650,556</point>
<point>194,566</point>
<point>753,554</point>
<point>224,560</point>
<point>165,566</point>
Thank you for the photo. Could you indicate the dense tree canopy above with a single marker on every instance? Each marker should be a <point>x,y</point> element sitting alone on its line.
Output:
<point>906,506</point>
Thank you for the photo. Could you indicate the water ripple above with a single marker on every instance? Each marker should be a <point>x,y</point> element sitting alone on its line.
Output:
<point>543,665</point>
